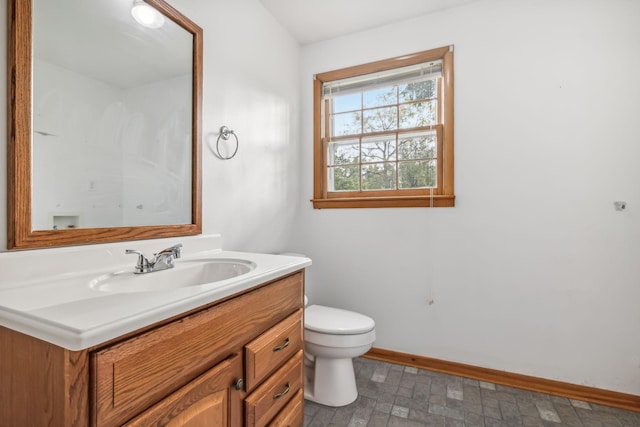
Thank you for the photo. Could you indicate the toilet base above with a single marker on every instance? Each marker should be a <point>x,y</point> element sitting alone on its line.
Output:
<point>330,382</point>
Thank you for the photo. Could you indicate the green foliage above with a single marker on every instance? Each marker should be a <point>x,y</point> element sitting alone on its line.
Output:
<point>346,178</point>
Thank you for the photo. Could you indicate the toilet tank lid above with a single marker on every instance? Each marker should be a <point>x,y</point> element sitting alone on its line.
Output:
<point>330,320</point>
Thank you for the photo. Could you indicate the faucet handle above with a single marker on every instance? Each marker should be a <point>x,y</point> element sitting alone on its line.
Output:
<point>143,265</point>
<point>175,250</point>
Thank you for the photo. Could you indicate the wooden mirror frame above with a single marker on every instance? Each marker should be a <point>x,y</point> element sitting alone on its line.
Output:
<point>19,108</point>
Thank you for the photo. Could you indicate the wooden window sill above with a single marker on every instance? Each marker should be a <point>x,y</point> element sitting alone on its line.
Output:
<point>438,201</point>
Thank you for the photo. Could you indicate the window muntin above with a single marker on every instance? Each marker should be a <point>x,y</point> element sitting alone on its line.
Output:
<point>381,136</point>
<point>385,112</point>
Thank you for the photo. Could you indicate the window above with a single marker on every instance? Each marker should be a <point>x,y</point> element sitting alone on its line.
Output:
<point>383,133</point>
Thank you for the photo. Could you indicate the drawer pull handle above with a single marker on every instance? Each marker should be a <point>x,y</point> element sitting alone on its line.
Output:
<point>283,346</point>
<point>238,384</point>
<point>279,395</point>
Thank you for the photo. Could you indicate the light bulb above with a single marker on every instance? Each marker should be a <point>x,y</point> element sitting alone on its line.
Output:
<point>146,15</point>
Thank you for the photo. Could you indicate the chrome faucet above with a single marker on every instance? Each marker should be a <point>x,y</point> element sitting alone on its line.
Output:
<point>161,261</point>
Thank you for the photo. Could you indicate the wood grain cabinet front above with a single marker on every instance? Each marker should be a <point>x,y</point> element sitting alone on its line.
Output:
<point>271,349</point>
<point>207,401</point>
<point>130,376</point>
<point>292,415</point>
<point>270,397</point>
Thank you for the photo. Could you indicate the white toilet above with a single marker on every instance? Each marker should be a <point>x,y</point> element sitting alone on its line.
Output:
<point>332,338</point>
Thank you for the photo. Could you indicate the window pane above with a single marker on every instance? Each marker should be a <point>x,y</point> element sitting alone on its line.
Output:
<point>379,176</point>
<point>379,149</point>
<point>345,124</point>
<point>344,178</point>
<point>344,152</point>
<point>347,103</point>
<point>419,174</point>
<point>418,146</point>
<point>380,119</point>
<point>418,114</point>
<point>418,91</point>
<point>380,97</point>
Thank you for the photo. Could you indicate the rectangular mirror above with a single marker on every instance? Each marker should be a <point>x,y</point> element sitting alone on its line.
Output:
<point>105,122</point>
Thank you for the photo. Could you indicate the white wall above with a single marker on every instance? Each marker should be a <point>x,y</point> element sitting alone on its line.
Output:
<point>533,271</point>
<point>251,85</point>
<point>251,72</point>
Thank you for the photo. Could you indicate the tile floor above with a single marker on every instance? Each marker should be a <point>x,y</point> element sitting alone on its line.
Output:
<point>399,396</point>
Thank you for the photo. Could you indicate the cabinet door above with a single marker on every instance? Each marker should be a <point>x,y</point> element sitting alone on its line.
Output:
<point>210,400</point>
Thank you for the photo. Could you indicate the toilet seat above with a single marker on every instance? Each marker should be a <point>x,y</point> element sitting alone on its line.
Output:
<point>339,341</point>
<point>335,321</point>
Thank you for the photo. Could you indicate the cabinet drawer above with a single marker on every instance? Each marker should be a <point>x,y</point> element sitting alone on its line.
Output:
<point>271,349</point>
<point>292,415</point>
<point>268,399</point>
<point>131,376</point>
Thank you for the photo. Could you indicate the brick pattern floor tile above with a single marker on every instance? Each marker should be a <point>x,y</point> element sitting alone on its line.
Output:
<point>398,396</point>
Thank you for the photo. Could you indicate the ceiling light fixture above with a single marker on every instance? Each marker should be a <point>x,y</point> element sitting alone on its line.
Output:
<point>146,15</point>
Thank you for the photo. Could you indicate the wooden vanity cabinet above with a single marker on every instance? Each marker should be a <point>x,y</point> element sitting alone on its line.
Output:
<point>233,363</point>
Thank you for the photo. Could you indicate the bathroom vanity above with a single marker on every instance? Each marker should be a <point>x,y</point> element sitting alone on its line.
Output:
<point>235,360</point>
<point>214,340</point>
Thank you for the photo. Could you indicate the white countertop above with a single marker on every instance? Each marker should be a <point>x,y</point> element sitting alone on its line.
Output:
<point>65,310</point>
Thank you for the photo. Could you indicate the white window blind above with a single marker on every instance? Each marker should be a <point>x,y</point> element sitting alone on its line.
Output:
<point>409,74</point>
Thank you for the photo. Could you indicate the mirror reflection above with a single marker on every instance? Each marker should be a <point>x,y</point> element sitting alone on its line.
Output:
<point>112,119</point>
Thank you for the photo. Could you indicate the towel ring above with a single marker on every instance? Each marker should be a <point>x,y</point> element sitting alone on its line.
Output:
<point>225,133</point>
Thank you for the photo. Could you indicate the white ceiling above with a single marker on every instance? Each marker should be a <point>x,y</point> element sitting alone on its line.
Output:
<point>310,21</point>
<point>101,40</point>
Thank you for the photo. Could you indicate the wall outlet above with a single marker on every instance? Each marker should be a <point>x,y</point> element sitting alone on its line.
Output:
<point>620,206</point>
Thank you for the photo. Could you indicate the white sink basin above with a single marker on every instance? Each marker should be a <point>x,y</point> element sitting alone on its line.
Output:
<point>186,273</point>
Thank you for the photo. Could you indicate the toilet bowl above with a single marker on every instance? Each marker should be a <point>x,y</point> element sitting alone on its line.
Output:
<point>332,338</point>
